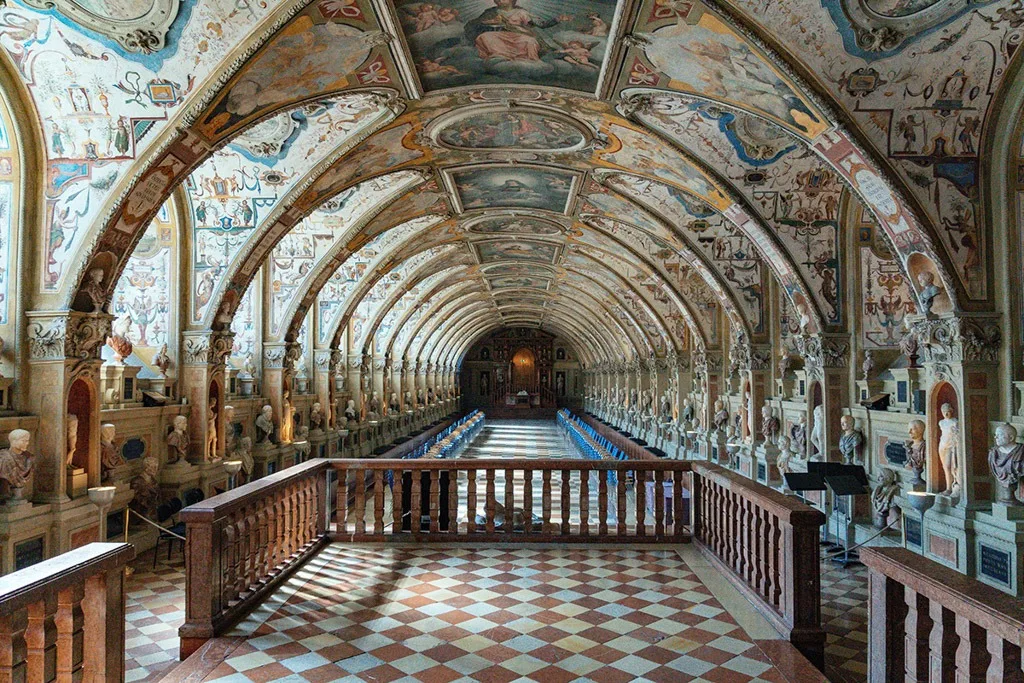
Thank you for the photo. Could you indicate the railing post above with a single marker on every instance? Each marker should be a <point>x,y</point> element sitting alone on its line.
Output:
<point>887,609</point>
<point>916,631</point>
<point>103,606</point>
<point>200,585</point>
<point>941,640</point>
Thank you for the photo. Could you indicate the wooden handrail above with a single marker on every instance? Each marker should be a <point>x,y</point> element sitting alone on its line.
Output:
<point>64,618</point>
<point>929,622</point>
<point>767,545</point>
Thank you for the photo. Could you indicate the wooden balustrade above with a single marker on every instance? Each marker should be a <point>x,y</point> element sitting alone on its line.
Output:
<point>434,491</point>
<point>241,544</point>
<point>63,619</point>
<point>632,449</point>
<point>927,622</point>
<point>768,543</point>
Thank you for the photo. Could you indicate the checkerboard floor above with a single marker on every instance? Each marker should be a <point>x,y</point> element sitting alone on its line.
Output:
<point>155,608</point>
<point>844,615</point>
<point>369,613</point>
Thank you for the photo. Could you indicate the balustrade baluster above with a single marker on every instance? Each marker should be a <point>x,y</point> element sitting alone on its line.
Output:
<point>620,503</point>
<point>941,641</point>
<point>341,501</point>
<point>453,501</point>
<point>659,504</point>
<point>528,501</point>
<point>397,519</point>
<point>775,534</point>
<point>1005,663</point>
<point>972,657</point>
<point>640,484</point>
<point>68,622</point>
<point>41,639</point>
<point>471,501</point>
<point>602,503</point>
<point>678,527</point>
<point>564,493</point>
<point>416,504</point>
<point>360,507</point>
<point>917,627</point>
<point>435,501</point>
<point>545,502</point>
<point>489,503</point>
<point>378,502</point>
<point>761,551</point>
<point>510,502</point>
<point>749,558</point>
<point>12,647</point>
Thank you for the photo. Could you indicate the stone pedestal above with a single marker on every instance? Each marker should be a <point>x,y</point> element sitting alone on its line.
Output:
<point>177,478</point>
<point>949,536</point>
<point>246,384</point>
<point>800,384</point>
<point>119,386</point>
<point>766,470</point>
<point>997,550</point>
<point>77,482</point>
<point>906,384</point>
<point>785,387</point>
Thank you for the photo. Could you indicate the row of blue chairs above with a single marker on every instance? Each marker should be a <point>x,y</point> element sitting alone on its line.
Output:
<point>461,439</point>
<point>569,421</point>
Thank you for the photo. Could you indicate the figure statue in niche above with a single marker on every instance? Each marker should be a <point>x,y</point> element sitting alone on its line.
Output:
<point>430,396</point>
<point>666,409</point>
<point>868,366</point>
<point>243,452</point>
<point>949,446</point>
<point>419,397</point>
<point>688,413</point>
<point>162,361</point>
<point>286,418</point>
<point>769,424</point>
<point>211,429</point>
<point>16,464</point>
<point>265,426</point>
<point>110,457</point>
<point>851,442</point>
<point>146,488</point>
<point>909,344</point>
<point>374,413</point>
<point>929,290</point>
<point>818,431</point>
<point>316,418</point>
<point>785,453</point>
<point>408,400</point>
<point>94,289</point>
<point>798,434</point>
<point>118,338</point>
<point>1006,461</point>
<point>916,450</point>
<point>177,441</point>
<point>351,416</point>
<point>394,405</point>
<point>634,402</point>
<point>72,440</point>
<point>881,498</point>
<point>721,418</point>
<point>785,363</point>
<point>248,366</point>
<point>805,317</point>
<point>224,315</point>
<point>646,403</point>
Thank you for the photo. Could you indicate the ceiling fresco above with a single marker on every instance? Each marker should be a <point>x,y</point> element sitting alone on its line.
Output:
<point>648,171</point>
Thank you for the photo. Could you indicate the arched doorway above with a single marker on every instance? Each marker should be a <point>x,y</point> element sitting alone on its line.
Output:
<point>524,371</point>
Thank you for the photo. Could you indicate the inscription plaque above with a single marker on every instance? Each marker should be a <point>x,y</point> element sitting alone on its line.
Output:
<point>896,453</point>
<point>912,528</point>
<point>995,564</point>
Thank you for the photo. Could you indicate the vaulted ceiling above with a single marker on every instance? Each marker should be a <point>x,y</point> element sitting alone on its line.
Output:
<point>624,173</point>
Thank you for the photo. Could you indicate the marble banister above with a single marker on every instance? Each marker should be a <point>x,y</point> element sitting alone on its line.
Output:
<point>930,622</point>
<point>64,618</point>
<point>768,545</point>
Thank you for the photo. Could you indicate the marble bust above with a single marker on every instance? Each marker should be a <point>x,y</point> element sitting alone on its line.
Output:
<point>350,412</point>
<point>394,405</point>
<point>769,424</point>
<point>721,417</point>
<point>316,417</point>
<point>265,426</point>
<point>177,441</point>
<point>851,441</point>
<point>882,496</point>
<point>16,464</point>
<point>146,488</point>
<point>798,434</point>
<point>110,457</point>
<point>1006,461</point>
<point>929,290</point>
<point>916,450</point>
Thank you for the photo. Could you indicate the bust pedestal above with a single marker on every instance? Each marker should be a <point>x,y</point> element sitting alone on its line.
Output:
<point>766,469</point>
<point>77,482</point>
<point>999,548</point>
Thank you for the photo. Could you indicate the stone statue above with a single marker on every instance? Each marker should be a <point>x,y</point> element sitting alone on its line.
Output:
<point>881,498</point>
<point>769,424</point>
<point>118,338</point>
<point>949,446</point>
<point>72,440</point>
<point>868,366</point>
<point>243,452</point>
<point>634,402</point>
<point>851,442</point>
<point>351,416</point>
<point>93,288</point>
<point>666,409</point>
<point>374,413</point>
<point>1006,461</point>
<point>818,431</point>
<point>646,402</point>
<point>785,363</point>
<point>688,412</point>
<point>408,400</point>
<point>909,344</point>
<point>229,429</point>
<point>394,405</point>
<point>177,441</point>
<point>16,465</point>
<point>785,453</point>
<point>316,417</point>
<point>805,317</point>
<point>248,366</point>
<point>430,395</point>
<point>929,290</point>
<point>285,433</point>
<point>798,434</point>
<point>721,418</point>
<point>916,450</point>
<point>301,443</point>
<point>110,457</point>
<point>146,488</point>
<point>211,429</point>
<point>265,426</point>
<point>419,397</point>
<point>162,361</point>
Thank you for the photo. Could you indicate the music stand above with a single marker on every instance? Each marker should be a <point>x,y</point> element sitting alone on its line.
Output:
<point>805,481</point>
<point>823,470</point>
<point>848,484</point>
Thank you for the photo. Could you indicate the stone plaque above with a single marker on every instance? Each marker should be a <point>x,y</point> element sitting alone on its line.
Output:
<point>762,472</point>
<point>28,553</point>
<point>995,564</point>
<point>912,528</point>
<point>895,453</point>
<point>942,547</point>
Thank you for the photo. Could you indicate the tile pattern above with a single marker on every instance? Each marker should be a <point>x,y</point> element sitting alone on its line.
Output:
<point>844,615</point>
<point>493,614</point>
<point>155,608</point>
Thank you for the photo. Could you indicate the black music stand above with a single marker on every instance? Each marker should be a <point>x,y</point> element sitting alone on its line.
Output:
<point>823,470</point>
<point>850,482</point>
<point>799,482</point>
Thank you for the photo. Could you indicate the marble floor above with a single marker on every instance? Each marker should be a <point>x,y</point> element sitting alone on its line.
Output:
<point>501,613</point>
